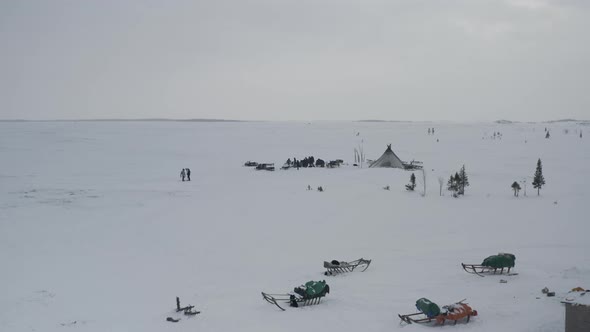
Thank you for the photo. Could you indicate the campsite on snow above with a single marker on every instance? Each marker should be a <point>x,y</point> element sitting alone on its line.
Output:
<point>284,226</point>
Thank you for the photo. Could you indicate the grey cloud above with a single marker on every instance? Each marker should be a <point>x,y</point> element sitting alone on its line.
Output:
<point>279,60</point>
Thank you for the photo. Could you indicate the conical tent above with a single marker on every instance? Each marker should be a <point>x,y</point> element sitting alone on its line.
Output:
<point>388,159</point>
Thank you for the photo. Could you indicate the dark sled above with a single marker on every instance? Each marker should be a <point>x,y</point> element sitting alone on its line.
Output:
<point>335,267</point>
<point>481,270</point>
<point>495,264</point>
<point>453,312</point>
<point>299,298</point>
<point>266,167</point>
<point>291,299</point>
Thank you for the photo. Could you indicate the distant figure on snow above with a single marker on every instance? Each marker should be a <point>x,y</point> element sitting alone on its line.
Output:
<point>182,174</point>
<point>188,174</point>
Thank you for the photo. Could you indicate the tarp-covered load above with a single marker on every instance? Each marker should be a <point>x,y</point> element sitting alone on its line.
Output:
<point>429,308</point>
<point>429,312</point>
<point>457,311</point>
<point>313,289</point>
<point>499,261</point>
<point>309,294</point>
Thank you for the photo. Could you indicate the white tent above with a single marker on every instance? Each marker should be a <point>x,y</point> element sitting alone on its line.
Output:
<point>388,159</point>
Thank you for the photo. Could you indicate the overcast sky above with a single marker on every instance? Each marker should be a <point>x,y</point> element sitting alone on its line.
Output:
<point>419,60</point>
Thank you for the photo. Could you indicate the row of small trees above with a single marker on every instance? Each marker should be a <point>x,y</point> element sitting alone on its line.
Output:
<point>458,182</point>
<point>565,131</point>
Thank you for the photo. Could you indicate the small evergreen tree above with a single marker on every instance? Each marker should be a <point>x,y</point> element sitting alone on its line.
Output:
<point>412,185</point>
<point>451,185</point>
<point>547,135</point>
<point>516,188</point>
<point>463,180</point>
<point>538,179</point>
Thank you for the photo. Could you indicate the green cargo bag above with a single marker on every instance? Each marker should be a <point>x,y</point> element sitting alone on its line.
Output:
<point>313,289</point>
<point>427,307</point>
<point>499,261</point>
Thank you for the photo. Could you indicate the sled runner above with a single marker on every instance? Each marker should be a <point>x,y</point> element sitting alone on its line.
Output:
<point>496,264</point>
<point>309,294</point>
<point>335,267</point>
<point>430,312</point>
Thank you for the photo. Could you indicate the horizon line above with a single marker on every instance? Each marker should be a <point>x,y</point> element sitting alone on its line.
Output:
<point>500,121</point>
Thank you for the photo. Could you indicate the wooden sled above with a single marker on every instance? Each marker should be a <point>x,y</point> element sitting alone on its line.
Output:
<point>480,270</point>
<point>454,313</point>
<point>293,300</point>
<point>308,294</point>
<point>335,267</point>
<point>188,310</point>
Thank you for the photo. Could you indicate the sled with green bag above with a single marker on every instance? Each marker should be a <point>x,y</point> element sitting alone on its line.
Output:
<point>309,294</point>
<point>429,312</point>
<point>495,264</point>
<point>335,267</point>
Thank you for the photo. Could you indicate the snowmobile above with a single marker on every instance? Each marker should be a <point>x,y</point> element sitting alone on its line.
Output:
<point>430,312</point>
<point>492,265</point>
<point>309,294</point>
<point>335,267</point>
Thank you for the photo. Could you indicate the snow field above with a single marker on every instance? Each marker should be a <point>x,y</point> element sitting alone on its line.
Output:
<point>97,228</point>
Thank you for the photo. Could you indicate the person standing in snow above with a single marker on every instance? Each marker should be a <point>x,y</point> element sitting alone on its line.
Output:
<point>188,174</point>
<point>182,174</point>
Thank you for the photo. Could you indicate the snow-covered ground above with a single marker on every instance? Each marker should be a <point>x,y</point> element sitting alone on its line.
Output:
<point>98,233</point>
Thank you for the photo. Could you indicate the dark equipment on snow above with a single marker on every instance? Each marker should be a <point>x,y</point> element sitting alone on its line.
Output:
<point>430,312</point>
<point>335,267</point>
<point>188,310</point>
<point>266,167</point>
<point>309,294</point>
<point>492,265</point>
